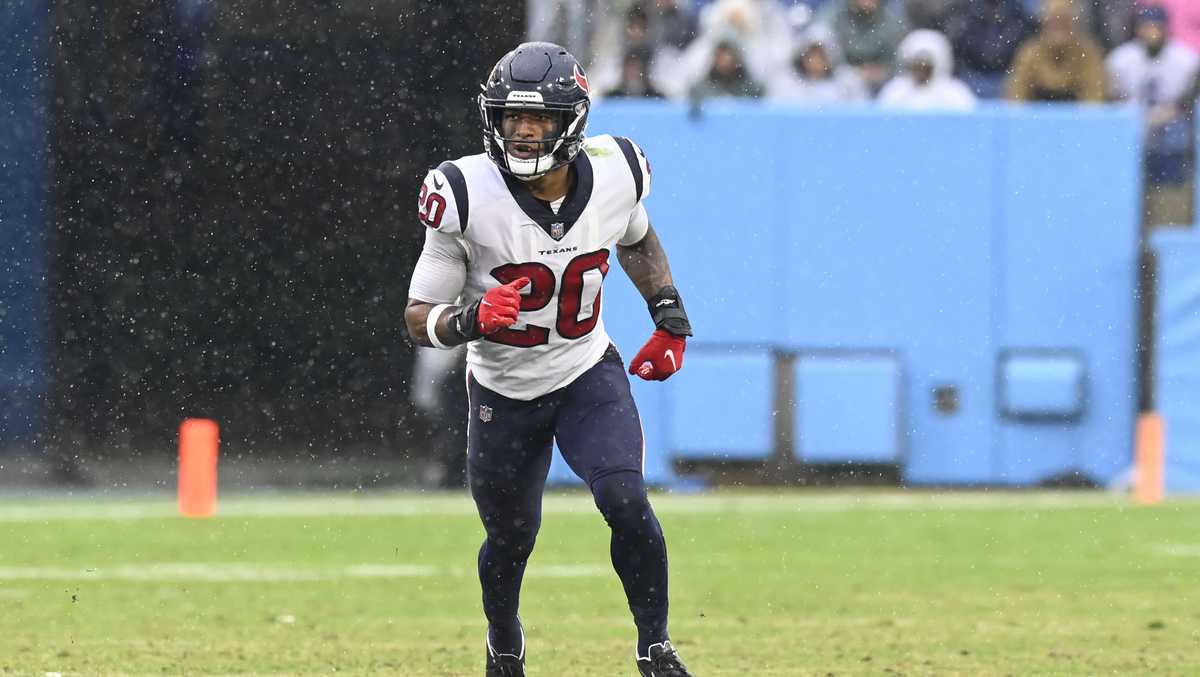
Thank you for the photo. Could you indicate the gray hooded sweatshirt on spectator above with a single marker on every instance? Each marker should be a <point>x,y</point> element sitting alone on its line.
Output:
<point>864,39</point>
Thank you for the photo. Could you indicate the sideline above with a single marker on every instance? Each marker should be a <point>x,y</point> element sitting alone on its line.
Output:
<point>232,572</point>
<point>316,505</point>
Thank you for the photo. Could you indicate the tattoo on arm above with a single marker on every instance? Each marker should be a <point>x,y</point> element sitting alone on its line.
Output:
<point>646,264</point>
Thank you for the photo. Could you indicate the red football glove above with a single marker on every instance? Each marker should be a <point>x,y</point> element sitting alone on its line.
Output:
<point>497,310</point>
<point>660,357</point>
<point>499,307</point>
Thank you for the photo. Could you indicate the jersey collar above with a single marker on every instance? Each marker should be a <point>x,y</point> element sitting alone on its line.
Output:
<point>578,195</point>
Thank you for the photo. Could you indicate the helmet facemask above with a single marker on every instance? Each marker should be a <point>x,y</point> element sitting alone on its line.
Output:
<point>543,155</point>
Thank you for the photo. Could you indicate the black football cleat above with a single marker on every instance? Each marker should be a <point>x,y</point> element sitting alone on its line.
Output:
<point>505,664</point>
<point>663,661</point>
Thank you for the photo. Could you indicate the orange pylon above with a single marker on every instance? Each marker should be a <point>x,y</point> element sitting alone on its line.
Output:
<point>198,440</point>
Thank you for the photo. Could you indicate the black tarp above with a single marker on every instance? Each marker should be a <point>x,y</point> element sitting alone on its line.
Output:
<point>232,213</point>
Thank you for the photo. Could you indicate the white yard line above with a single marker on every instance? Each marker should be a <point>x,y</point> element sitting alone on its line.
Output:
<point>326,505</point>
<point>1178,549</point>
<point>226,572</point>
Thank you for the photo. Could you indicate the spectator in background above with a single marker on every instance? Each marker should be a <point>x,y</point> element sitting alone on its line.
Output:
<point>672,26</point>
<point>759,29</point>
<point>637,28</point>
<point>1109,21</point>
<point>1058,64</point>
<point>1185,21</point>
<point>868,34</point>
<point>563,22</point>
<point>1157,73</point>
<point>728,76</point>
<point>928,82</point>
<point>661,28</point>
<point>935,15</point>
<point>817,76</point>
<point>608,70</point>
<point>635,77</point>
<point>986,40</point>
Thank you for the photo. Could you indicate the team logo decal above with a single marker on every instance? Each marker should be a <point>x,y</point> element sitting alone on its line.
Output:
<point>557,230</point>
<point>581,80</point>
<point>485,413</point>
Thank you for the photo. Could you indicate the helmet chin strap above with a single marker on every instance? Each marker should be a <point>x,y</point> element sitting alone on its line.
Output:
<point>516,165</point>
<point>527,169</point>
<point>523,177</point>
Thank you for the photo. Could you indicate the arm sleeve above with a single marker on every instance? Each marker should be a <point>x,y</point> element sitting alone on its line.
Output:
<point>441,272</point>
<point>639,223</point>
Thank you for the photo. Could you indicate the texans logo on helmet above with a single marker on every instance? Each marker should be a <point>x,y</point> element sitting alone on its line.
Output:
<point>581,80</point>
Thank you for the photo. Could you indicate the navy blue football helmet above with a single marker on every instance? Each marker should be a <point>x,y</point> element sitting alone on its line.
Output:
<point>540,76</point>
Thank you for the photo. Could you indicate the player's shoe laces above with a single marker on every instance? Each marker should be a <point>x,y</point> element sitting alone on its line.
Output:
<point>663,661</point>
<point>505,664</point>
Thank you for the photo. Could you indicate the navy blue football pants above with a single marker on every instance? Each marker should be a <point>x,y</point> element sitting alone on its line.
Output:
<point>509,446</point>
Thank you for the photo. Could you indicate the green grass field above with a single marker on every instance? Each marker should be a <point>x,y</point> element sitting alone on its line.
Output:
<point>798,583</point>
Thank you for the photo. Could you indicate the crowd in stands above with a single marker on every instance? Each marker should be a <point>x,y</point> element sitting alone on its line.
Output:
<point>905,54</point>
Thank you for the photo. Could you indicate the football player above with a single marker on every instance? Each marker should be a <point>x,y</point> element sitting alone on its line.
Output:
<point>517,245</point>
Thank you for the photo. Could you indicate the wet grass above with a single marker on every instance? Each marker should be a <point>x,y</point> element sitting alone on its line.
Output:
<point>881,583</point>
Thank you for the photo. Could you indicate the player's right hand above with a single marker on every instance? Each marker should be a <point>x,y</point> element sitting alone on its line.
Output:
<point>499,307</point>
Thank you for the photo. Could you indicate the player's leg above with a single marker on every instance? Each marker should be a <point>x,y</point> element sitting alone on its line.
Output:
<point>600,435</point>
<point>508,455</point>
<point>638,550</point>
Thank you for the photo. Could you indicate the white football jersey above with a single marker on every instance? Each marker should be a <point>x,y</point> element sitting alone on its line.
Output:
<point>489,224</point>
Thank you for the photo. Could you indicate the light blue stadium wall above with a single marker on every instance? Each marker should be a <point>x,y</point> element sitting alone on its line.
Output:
<point>943,242</point>
<point>1177,355</point>
<point>1177,349</point>
<point>23,198</point>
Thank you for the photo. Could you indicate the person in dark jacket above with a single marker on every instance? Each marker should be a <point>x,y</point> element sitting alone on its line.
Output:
<point>728,76</point>
<point>986,41</point>
<point>635,77</point>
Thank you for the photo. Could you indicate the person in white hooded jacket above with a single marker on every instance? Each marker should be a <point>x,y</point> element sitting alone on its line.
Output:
<point>759,29</point>
<point>928,81</point>
<point>817,76</point>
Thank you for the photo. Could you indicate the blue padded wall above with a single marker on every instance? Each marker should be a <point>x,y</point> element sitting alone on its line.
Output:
<point>848,408</point>
<point>1177,351</point>
<point>1042,386</point>
<point>945,239</point>
<point>719,406</point>
<point>1066,231</point>
<point>888,248</point>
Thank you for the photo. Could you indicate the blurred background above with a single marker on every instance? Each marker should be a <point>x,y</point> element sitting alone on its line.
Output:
<point>924,242</point>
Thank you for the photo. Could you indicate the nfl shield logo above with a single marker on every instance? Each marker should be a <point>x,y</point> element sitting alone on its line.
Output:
<point>485,413</point>
<point>556,231</point>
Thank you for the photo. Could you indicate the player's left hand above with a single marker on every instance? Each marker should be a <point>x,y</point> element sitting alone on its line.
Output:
<point>660,357</point>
